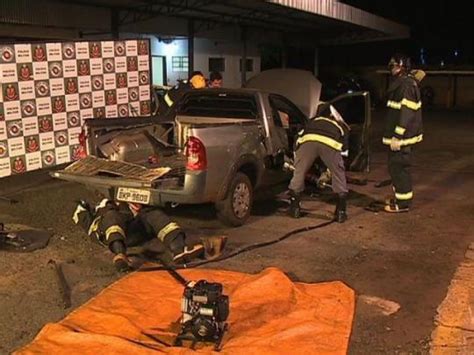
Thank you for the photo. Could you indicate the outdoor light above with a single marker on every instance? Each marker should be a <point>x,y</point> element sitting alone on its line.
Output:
<point>422,56</point>
<point>169,48</point>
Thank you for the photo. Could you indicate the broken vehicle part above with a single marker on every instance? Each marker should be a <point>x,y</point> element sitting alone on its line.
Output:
<point>23,240</point>
<point>64,288</point>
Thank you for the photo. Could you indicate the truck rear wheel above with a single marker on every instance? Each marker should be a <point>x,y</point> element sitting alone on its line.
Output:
<point>235,209</point>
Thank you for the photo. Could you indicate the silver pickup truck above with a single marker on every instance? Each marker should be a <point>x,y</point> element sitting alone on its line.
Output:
<point>219,147</point>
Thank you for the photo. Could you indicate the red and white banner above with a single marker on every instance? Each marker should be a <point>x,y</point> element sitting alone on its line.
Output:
<point>49,89</point>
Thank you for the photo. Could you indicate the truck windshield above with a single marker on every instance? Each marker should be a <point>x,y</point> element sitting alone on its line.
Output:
<point>222,105</point>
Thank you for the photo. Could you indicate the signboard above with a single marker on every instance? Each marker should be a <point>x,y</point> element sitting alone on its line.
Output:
<point>49,89</point>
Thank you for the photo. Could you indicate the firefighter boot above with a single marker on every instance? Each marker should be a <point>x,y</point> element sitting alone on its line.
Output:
<point>340,215</point>
<point>182,253</point>
<point>121,262</point>
<point>83,215</point>
<point>295,205</point>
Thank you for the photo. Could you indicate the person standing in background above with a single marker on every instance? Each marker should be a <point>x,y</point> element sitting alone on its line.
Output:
<point>215,80</point>
<point>403,129</point>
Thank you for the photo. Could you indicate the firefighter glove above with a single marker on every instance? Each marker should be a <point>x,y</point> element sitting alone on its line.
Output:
<point>395,144</point>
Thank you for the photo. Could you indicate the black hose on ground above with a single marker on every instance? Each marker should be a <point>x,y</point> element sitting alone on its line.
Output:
<point>239,250</point>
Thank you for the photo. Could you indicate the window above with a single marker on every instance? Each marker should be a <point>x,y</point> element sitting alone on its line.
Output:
<point>158,66</point>
<point>220,104</point>
<point>285,113</point>
<point>217,64</point>
<point>180,63</point>
<point>287,116</point>
<point>248,65</point>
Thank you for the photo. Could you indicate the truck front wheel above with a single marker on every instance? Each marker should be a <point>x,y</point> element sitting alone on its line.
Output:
<point>235,209</point>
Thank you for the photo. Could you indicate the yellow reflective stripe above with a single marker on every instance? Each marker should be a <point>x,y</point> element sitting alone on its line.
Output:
<point>101,204</point>
<point>403,142</point>
<point>168,100</point>
<point>400,130</point>
<point>322,139</point>
<point>412,140</point>
<point>170,227</point>
<point>331,121</point>
<point>411,104</point>
<point>407,196</point>
<point>405,102</point>
<point>114,229</point>
<point>394,104</point>
<point>75,216</point>
<point>94,226</point>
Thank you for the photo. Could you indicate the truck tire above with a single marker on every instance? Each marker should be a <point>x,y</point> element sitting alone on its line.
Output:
<point>235,208</point>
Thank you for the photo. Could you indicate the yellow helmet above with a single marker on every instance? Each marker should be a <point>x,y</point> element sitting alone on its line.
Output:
<point>198,81</point>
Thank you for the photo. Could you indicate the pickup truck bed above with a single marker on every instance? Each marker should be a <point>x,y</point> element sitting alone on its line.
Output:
<point>171,180</point>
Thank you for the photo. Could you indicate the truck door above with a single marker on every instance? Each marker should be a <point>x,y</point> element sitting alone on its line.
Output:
<point>285,121</point>
<point>355,109</point>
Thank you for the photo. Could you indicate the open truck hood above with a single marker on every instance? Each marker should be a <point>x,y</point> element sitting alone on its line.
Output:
<point>300,86</point>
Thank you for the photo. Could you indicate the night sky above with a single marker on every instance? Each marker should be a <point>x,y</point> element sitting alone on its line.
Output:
<point>444,29</point>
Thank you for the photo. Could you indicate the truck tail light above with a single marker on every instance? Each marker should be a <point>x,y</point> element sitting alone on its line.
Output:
<point>195,154</point>
<point>82,144</point>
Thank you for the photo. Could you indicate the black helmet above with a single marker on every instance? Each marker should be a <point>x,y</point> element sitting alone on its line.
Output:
<point>401,60</point>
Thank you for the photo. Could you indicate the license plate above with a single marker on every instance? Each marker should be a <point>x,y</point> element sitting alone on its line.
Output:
<point>127,194</point>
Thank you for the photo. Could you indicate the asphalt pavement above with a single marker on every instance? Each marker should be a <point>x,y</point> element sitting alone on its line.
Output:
<point>401,266</point>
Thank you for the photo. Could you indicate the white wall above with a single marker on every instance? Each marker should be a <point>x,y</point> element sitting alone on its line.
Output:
<point>178,47</point>
<point>231,52</point>
<point>203,49</point>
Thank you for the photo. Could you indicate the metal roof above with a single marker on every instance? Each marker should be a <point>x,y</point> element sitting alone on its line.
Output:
<point>364,25</point>
<point>315,21</point>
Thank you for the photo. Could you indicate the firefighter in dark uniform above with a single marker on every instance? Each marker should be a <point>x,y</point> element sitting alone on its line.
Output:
<point>326,138</point>
<point>196,81</point>
<point>118,225</point>
<point>403,129</point>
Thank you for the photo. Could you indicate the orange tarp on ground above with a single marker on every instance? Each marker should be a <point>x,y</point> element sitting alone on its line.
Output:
<point>269,314</point>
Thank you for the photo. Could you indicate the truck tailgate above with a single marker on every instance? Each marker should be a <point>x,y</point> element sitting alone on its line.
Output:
<point>93,170</point>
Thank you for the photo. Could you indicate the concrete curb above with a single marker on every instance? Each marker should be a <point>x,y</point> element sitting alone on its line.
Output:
<point>454,322</point>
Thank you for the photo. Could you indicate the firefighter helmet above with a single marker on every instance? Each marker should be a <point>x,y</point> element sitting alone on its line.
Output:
<point>401,61</point>
<point>197,80</point>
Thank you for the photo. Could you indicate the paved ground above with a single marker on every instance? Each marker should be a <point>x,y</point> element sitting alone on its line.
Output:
<point>454,329</point>
<point>403,260</point>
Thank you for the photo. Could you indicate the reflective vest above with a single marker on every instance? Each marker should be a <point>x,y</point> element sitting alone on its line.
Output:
<point>176,92</point>
<point>327,131</point>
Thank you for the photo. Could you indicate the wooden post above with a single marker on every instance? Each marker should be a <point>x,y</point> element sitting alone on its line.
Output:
<point>190,46</point>
<point>243,71</point>
<point>115,22</point>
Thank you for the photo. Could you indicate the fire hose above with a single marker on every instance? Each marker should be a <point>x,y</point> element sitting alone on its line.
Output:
<point>321,181</point>
<point>241,250</point>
